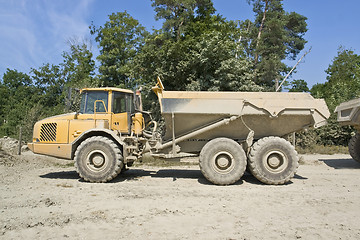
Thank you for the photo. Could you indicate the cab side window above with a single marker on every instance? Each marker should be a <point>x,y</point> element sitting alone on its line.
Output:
<point>119,103</point>
<point>130,103</point>
<point>123,102</point>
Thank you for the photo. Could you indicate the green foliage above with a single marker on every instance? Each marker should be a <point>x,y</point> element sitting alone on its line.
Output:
<point>18,97</point>
<point>205,57</point>
<point>119,40</point>
<point>178,14</point>
<point>28,98</point>
<point>343,80</point>
<point>274,36</point>
<point>50,81</point>
<point>343,84</point>
<point>322,149</point>
<point>306,139</point>
<point>299,85</point>
<point>79,66</point>
<point>79,72</point>
<point>4,93</point>
<point>216,67</point>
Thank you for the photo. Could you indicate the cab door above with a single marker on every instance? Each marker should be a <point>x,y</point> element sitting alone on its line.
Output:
<point>121,113</point>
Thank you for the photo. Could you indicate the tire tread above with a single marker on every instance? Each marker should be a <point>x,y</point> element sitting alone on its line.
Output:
<point>354,147</point>
<point>115,149</point>
<point>203,158</point>
<point>254,155</point>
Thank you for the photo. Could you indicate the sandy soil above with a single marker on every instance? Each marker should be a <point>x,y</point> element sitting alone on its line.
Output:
<point>43,198</point>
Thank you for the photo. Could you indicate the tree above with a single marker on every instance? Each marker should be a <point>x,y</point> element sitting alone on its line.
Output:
<point>44,92</point>
<point>78,66</point>
<point>19,96</point>
<point>205,56</point>
<point>299,85</point>
<point>343,84</point>
<point>343,80</point>
<point>215,66</point>
<point>4,93</point>
<point>178,14</point>
<point>119,40</point>
<point>78,69</point>
<point>274,36</point>
<point>50,82</point>
<point>204,61</point>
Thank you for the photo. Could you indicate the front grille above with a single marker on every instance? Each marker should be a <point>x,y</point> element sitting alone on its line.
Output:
<point>48,132</point>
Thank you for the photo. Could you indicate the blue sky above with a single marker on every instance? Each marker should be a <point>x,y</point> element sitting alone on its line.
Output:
<point>35,32</point>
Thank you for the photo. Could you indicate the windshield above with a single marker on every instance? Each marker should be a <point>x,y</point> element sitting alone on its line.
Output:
<point>88,99</point>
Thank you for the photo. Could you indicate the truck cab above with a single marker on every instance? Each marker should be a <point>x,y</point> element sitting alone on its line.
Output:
<point>109,112</point>
<point>111,106</point>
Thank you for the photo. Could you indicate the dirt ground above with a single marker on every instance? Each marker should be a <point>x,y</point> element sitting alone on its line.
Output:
<point>43,198</point>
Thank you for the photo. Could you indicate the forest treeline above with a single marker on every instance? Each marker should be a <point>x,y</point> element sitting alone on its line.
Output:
<point>196,49</point>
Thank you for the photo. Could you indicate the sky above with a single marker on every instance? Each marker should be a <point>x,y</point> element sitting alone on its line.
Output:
<point>36,32</point>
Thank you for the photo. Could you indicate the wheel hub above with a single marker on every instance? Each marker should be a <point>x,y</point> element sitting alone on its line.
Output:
<point>223,162</point>
<point>96,160</point>
<point>275,161</point>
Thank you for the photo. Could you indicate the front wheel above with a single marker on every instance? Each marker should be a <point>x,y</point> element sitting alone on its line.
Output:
<point>354,147</point>
<point>222,161</point>
<point>273,160</point>
<point>98,159</point>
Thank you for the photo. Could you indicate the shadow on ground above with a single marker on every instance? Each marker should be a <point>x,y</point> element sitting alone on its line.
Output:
<point>61,175</point>
<point>136,174</point>
<point>174,174</point>
<point>347,163</point>
<point>300,177</point>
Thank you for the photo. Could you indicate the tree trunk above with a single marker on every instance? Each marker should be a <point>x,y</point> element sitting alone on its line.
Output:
<point>178,34</point>
<point>260,30</point>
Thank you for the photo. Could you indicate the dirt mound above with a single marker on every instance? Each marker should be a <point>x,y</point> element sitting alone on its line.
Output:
<point>8,144</point>
<point>9,149</point>
<point>6,159</point>
<point>11,145</point>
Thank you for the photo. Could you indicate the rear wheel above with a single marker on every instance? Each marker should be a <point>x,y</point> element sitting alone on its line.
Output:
<point>273,160</point>
<point>354,147</point>
<point>222,161</point>
<point>98,159</point>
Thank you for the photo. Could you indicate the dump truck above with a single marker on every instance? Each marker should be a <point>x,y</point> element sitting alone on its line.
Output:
<point>348,113</point>
<point>228,131</point>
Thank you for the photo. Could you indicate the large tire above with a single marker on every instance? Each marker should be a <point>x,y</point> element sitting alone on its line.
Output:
<point>273,160</point>
<point>354,147</point>
<point>98,159</point>
<point>222,161</point>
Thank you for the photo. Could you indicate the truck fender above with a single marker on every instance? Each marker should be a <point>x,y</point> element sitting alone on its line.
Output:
<point>95,132</point>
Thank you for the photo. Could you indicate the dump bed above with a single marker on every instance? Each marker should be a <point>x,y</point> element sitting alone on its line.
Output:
<point>348,113</point>
<point>265,113</point>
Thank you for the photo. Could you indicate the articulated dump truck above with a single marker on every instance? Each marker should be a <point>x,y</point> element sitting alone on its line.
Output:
<point>229,132</point>
<point>348,113</point>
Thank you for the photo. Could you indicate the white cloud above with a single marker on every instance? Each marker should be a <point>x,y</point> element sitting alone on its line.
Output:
<point>70,20</point>
<point>35,32</point>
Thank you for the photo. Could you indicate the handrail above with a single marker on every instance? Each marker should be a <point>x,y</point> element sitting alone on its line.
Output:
<point>96,101</point>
